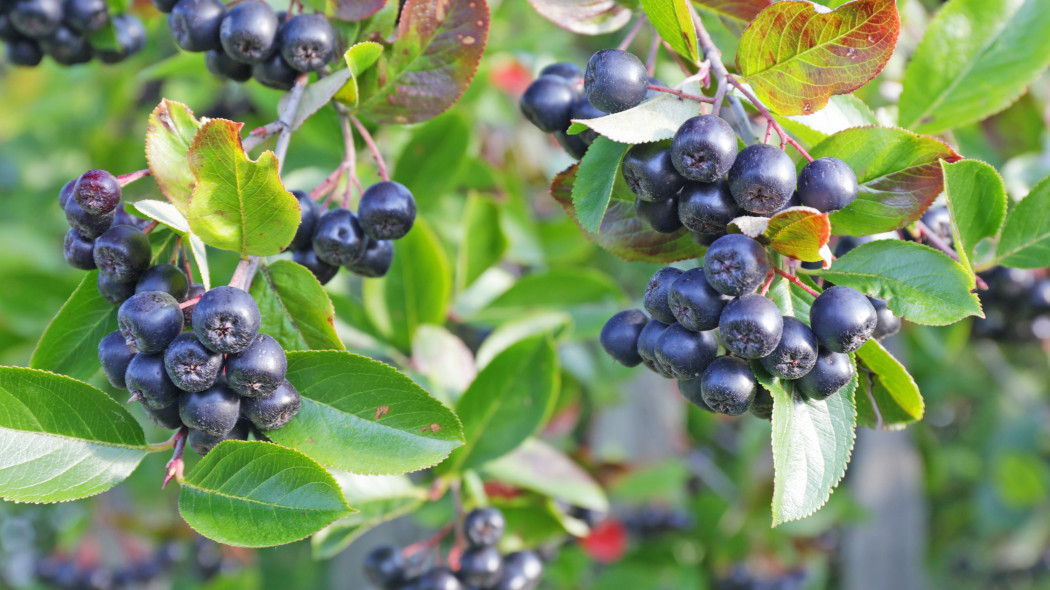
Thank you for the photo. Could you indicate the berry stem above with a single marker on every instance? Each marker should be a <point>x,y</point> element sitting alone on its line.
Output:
<point>175,252</point>
<point>631,34</point>
<point>372,147</point>
<point>287,118</point>
<point>681,94</point>
<point>796,281</point>
<point>189,302</point>
<point>149,228</point>
<point>457,503</point>
<point>328,184</point>
<point>871,398</point>
<point>186,261</point>
<point>428,543</point>
<point>176,465</point>
<point>766,285</point>
<point>245,271</point>
<point>349,154</point>
<point>126,179</point>
<point>714,57</point>
<point>785,139</point>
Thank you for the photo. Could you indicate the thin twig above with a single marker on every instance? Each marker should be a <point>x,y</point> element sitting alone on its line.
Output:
<point>287,118</point>
<point>149,228</point>
<point>186,261</point>
<point>367,137</point>
<point>176,465</point>
<point>871,398</point>
<point>428,543</point>
<point>795,280</point>
<point>631,34</point>
<point>175,252</point>
<point>349,155</point>
<point>681,94</point>
<point>714,56</point>
<point>457,505</point>
<point>126,179</point>
<point>190,302</point>
<point>766,285</point>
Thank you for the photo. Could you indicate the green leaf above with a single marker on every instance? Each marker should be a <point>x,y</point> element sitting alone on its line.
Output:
<point>1025,242</point>
<point>415,291</point>
<point>899,174</point>
<point>795,57</point>
<point>444,360</point>
<point>558,290</point>
<point>61,439</point>
<point>812,442</point>
<point>541,468</point>
<point>358,58</point>
<point>169,215</point>
<point>798,232</point>
<point>69,345</point>
<point>483,242</point>
<point>918,283</point>
<point>975,59</point>
<point>508,402</point>
<point>842,112</point>
<point>433,156</point>
<point>656,119</point>
<point>295,308</point>
<point>590,17</point>
<point>672,21</point>
<point>364,416</point>
<point>896,395</point>
<point>595,179</point>
<point>433,60</point>
<point>238,204</point>
<point>976,199</point>
<point>257,494</point>
<point>169,134</point>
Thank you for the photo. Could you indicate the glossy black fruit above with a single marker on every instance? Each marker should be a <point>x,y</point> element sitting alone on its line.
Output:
<point>275,73</point>
<point>521,571</point>
<point>150,320</point>
<point>226,320</point>
<point>307,42</point>
<point>195,24</point>
<point>322,270</point>
<point>79,251</point>
<point>619,336</point>
<point>568,71</point>
<point>114,292</point>
<point>484,527</point>
<point>122,217</point>
<point>751,326</point>
<point>147,380</point>
<point>831,373</point>
<point>661,217</point>
<point>86,224</point>
<point>225,66</point>
<point>647,340</point>
<point>685,354</point>
<point>655,299</point>
<point>248,32</point>
<point>213,411</point>
<point>97,192</point>
<point>122,253</point>
<point>843,319</point>
<point>195,292</point>
<point>24,52</point>
<point>735,264</point>
<point>615,80</point>
<point>704,239</point>
<point>67,47</point>
<point>203,443</point>
<point>887,324</point>
<point>164,277</point>
<point>548,103</point>
<point>166,417</point>
<point>384,566</point>
<point>439,578</point>
<point>762,179</point>
<point>36,18</point>
<point>387,210</point>
<point>846,243</point>
<point>309,213</point>
<point>572,144</point>
<point>649,174</point>
<point>796,353</point>
<point>762,406</point>
<point>273,410</point>
<point>376,261</point>
<point>86,16</point>
<point>694,302</point>
<point>131,38</point>
<point>707,208</point>
<point>728,386</point>
<point>114,354</point>
<point>704,148</point>
<point>191,366</point>
<point>827,184</point>
<point>481,566</point>
<point>339,239</point>
<point>258,369</point>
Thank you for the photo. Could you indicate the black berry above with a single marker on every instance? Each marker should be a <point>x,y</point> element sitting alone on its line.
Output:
<point>704,148</point>
<point>615,80</point>
<point>86,16</point>
<point>762,406</point>
<point>164,277</point>
<point>248,32</point>
<point>114,292</point>
<point>439,578</point>
<point>203,443</point>
<point>148,382</point>
<point>619,336</point>
<point>273,410</point>
<point>655,299</point>
<point>191,366</point>
<point>728,385</point>
<point>86,224</point>
<point>521,571</point>
<point>309,212</point>
<point>213,411</point>
<point>275,73</point>
<point>258,369</point>
<point>583,109</point>
<point>339,239</point>
<point>842,318</point>
<point>649,174</point>
<point>481,566</point>
<point>150,320</point>
<point>762,179</point>
<point>647,340</point>
<point>796,353</point>
<point>226,320</point>
<point>114,354</point>
<point>572,144</point>
<point>166,417</point>
<point>694,302</point>
<point>164,6</point>
<point>195,24</point>
<point>484,527</point>
<point>887,324</point>
<point>827,184</point>
<point>67,47</point>
<point>122,253</point>
<point>939,220</point>
<point>387,210</point>
<point>24,52</point>
<point>685,354</point>
<point>376,261</point>
<point>831,373</point>
<point>548,103</point>
<point>846,243</point>
<point>751,326</point>
<point>36,18</point>
<point>307,42</point>
<point>707,208</point>
<point>384,566</point>
<point>661,217</point>
<point>568,71</point>
<point>735,264</point>
<point>131,38</point>
<point>79,251</point>
<point>322,270</point>
<point>66,192</point>
<point>122,217</point>
<point>225,66</point>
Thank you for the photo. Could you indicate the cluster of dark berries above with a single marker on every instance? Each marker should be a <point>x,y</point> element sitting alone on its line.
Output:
<point>63,30</point>
<point>1016,305</point>
<point>482,566</point>
<point>250,40</point>
<point>678,338</point>
<point>653,521</point>
<point>361,242</point>
<point>67,573</point>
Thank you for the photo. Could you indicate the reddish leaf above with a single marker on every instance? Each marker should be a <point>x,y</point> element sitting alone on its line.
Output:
<point>796,58</point>
<point>744,11</point>
<point>801,233</point>
<point>622,233</point>
<point>355,10</point>
<point>438,47</point>
<point>584,17</point>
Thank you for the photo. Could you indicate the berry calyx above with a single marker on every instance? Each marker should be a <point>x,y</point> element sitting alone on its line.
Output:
<point>735,264</point>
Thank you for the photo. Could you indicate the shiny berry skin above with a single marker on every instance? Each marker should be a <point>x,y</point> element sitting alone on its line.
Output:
<point>275,73</point>
<point>704,148</point>
<point>225,66</point>
<point>796,353</point>
<point>751,326</point>
<point>226,320</point>
<point>202,443</point>
<point>831,373</point>
<point>762,406</point>
<point>66,192</point>
<point>843,319</point>
<point>86,16</point>
<point>114,292</point>
<point>619,336</point>
<point>79,251</point>
<point>484,527</point>
<point>685,354</point>
<point>548,103</point>
<point>649,174</point>
<point>166,417</point>
<point>735,264</point>
<point>762,179</point>
<point>707,208</point>
<point>567,71</point>
<point>273,410</point>
<point>655,299</point>
<point>572,144</point>
<point>164,277</point>
<point>647,340</point>
<point>67,47</point>
<point>321,270</point>
<point>36,18</point>
<point>114,354</point>
<point>339,239</point>
<point>196,290</point>
<point>888,324</point>
<point>150,320</point>
<point>258,369</point>
<point>376,261</point>
<point>86,224</point>
<point>661,217</point>
<point>384,566</point>
<point>24,52</point>
<point>583,109</point>
<point>439,578</point>
<point>122,253</point>
<point>827,184</point>
<point>387,210</point>
<point>521,571</point>
<point>694,302</point>
<point>615,80</point>
<point>147,379</point>
<point>131,38</point>
<point>481,566</point>
<point>195,24</point>
<point>728,386</point>
<point>191,366</point>
<point>214,411</point>
<point>309,212</point>
<point>248,32</point>
<point>307,42</point>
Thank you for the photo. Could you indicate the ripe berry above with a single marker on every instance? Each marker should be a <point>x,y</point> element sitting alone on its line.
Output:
<point>728,385</point>
<point>86,16</point>
<point>384,566</point>
<point>307,42</point>
<point>704,240</point>
<point>572,144</point>
<point>202,443</point>
<point>196,290</point>
<point>685,354</point>
<point>147,380</point>
<point>615,80</point>
<point>548,103</point>
<point>87,224</point>
<point>439,578</point>
<point>694,302</point>
<point>796,353</point>
<point>481,566</point>
<point>735,264</point>
<point>846,243</point>
<point>24,52</point>
<point>387,210</point>
<point>66,192</point>
<point>122,253</point>
<point>794,201</point>
<point>114,292</point>
<point>649,174</point>
<point>827,184</point>
<point>79,251</point>
<point>484,527</point>
<point>67,47</point>
<point>131,37</point>
<point>619,336</point>
<point>248,32</point>
<point>122,217</point>
<point>226,320</point>
<point>36,18</point>
<point>939,220</point>
<point>191,366</point>
<point>273,410</point>
<point>225,66</point>
<point>323,271</point>
<point>762,406</point>
<point>114,354</point>
<point>762,179</point>
<point>195,24</point>
<point>275,73</point>
<point>150,320</point>
<point>661,217</point>
<point>164,6</point>
<point>647,340</point>
<point>583,109</point>
<point>831,373</point>
<point>339,239</point>
<point>258,369</point>
<point>521,571</point>
<point>213,411</point>
<point>842,318</point>
<point>309,212</point>
<point>376,261</point>
<point>707,208</point>
<point>656,292</point>
<point>887,324</point>
<point>751,326</point>
<point>568,71</point>
<point>166,417</point>
<point>164,277</point>
<point>703,148</point>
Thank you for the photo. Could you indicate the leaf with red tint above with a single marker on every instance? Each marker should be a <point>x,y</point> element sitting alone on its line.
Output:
<point>899,173</point>
<point>584,17</point>
<point>436,54</point>
<point>169,134</point>
<point>798,232</point>
<point>744,11</point>
<point>355,10</point>
<point>622,233</point>
<point>795,57</point>
<point>607,542</point>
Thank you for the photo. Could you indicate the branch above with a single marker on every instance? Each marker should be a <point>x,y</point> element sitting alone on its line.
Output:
<point>796,281</point>
<point>714,55</point>
<point>126,179</point>
<point>287,118</point>
<point>367,137</point>
<point>349,154</point>
<point>681,94</point>
<point>784,137</point>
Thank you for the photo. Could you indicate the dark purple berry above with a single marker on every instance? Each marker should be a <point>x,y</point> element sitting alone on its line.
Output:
<point>568,71</point>
<point>572,144</point>
<point>484,527</point>
<point>762,179</point>
<point>762,406</point>
<point>323,271</point>
<point>164,277</point>
<point>196,291</point>
<point>66,193</point>
<point>521,571</point>
<point>661,217</point>
<point>87,224</point>
<point>548,103</point>
<point>619,336</point>
<point>735,264</point>
<point>384,566</point>
<point>273,410</point>
<point>481,566</point>
<point>649,174</point>
<point>888,324</point>
<point>751,326</point>
<point>339,239</point>
<point>248,32</point>
<point>827,184</point>
<point>195,24</point>
<point>67,47</point>
<point>583,109</point>
<point>439,578</point>
<point>707,208</point>
<point>150,320</point>
<point>694,302</point>
<point>131,38</point>
<point>148,382</point>
<point>225,66</point>
<point>114,354</point>
<point>387,210</point>
<point>615,80</point>
<point>114,292</point>
<point>213,411</point>
<point>685,354</point>
<point>655,299</point>
<point>831,373</point>
<point>122,253</point>
<point>307,42</point>
<point>796,353</point>
<point>166,417</point>
<point>309,212</point>
<point>203,443</point>
<point>728,386</point>
<point>843,319</point>
<point>704,148</point>
<point>647,340</point>
<point>36,18</point>
<point>376,261</point>
<point>86,16</point>
<point>79,251</point>
<point>226,320</point>
<point>190,365</point>
<point>275,73</point>
<point>258,369</point>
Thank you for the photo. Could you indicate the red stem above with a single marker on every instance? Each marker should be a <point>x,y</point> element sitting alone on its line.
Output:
<point>769,281</point>
<point>176,465</point>
<point>631,35</point>
<point>785,139</point>
<point>681,94</point>
<point>367,137</point>
<point>126,179</point>
<point>189,302</point>
<point>149,228</point>
<point>175,252</point>
<point>795,280</point>
<point>428,543</point>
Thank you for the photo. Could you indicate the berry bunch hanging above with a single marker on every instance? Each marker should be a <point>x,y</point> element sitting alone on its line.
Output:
<point>70,32</point>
